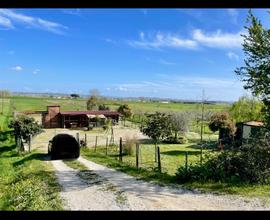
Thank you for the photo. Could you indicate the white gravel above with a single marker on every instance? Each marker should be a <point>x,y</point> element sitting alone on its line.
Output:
<point>113,190</point>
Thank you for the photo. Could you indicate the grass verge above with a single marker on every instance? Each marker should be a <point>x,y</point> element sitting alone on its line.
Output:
<point>27,182</point>
<point>246,190</point>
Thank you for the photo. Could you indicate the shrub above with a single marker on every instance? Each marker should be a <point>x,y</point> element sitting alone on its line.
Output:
<point>128,146</point>
<point>249,163</point>
<point>176,140</point>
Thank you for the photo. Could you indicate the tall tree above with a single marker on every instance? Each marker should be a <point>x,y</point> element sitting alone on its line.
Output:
<point>24,126</point>
<point>179,122</point>
<point>256,71</point>
<point>220,121</point>
<point>157,126</point>
<point>125,110</point>
<point>246,109</point>
<point>94,100</point>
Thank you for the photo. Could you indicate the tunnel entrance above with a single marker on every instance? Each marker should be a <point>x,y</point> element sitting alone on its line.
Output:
<point>63,146</point>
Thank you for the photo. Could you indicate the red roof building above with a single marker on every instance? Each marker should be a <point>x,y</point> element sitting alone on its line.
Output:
<point>54,118</point>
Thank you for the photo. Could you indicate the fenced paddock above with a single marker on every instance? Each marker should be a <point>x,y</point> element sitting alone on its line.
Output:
<point>103,143</point>
<point>171,155</point>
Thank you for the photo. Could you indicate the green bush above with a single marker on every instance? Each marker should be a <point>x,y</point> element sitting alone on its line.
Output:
<point>174,140</point>
<point>250,163</point>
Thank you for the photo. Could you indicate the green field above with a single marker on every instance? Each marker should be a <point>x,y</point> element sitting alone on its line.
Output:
<point>171,155</point>
<point>27,182</point>
<point>22,103</point>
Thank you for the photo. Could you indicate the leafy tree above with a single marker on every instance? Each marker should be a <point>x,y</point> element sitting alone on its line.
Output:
<point>246,109</point>
<point>73,95</point>
<point>103,107</point>
<point>94,100</point>
<point>157,126</point>
<point>179,123</point>
<point>24,126</point>
<point>255,72</point>
<point>125,111</point>
<point>220,121</point>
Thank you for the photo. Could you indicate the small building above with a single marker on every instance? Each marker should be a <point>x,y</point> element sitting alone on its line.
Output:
<point>245,130</point>
<point>54,118</point>
<point>251,128</point>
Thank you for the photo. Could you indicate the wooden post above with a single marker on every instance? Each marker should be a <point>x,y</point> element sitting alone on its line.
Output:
<point>137,155</point>
<point>96,144</point>
<point>30,142</point>
<point>18,142</point>
<point>120,150</point>
<point>106,146</point>
<point>201,154</point>
<point>158,157</point>
<point>186,165</point>
<point>85,139</point>
<point>78,137</point>
<point>155,152</point>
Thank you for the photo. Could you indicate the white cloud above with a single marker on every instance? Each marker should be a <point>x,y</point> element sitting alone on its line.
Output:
<point>5,22</point>
<point>165,62</point>
<point>109,40</point>
<point>218,39</point>
<point>184,87</point>
<point>36,71</point>
<point>142,35</point>
<point>232,56</point>
<point>233,13</point>
<point>163,40</point>
<point>33,21</point>
<point>17,68</point>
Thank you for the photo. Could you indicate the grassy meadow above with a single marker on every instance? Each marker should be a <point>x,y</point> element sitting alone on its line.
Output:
<point>27,181</point>
<point>23,103</point>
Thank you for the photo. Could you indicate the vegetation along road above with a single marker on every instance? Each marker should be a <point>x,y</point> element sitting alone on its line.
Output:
<point>91,186</point>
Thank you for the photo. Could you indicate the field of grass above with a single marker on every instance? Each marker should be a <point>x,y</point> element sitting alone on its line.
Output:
<point>23,103</point>
<point>5,114</point>
<point>172,155</point>
<point>27,182</point>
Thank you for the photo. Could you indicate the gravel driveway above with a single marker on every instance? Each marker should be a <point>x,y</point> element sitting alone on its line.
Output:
<point>102,188</point>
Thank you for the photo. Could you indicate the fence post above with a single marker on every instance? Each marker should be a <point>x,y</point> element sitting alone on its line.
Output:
<point>137,155</point>
<point>107,146</point>
<point>155,152</point>
<point>96,144</point>
<point>85,139</point>
<point>30,142</point>
<point>120,149</point>
<point>201,154</point>
<point>158,157</point>
<point>78,137</point>
<point>186,165</point>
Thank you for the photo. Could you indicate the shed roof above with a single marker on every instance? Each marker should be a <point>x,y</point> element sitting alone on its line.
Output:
<point>253,123</point>
<point>105,113</point>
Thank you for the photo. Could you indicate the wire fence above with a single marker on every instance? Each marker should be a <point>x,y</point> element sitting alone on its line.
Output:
<point>162,158</point>
<point>165,158</point>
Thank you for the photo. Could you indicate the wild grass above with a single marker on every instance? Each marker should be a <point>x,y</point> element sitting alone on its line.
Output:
<point>27,182</point>
<point>75,164</point>
<point>23,103</point>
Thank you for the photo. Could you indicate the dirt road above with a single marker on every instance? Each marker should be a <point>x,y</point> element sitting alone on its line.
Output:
<point>102,188</point>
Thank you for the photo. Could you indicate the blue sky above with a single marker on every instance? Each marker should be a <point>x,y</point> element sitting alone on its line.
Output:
<point>167,53</point>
